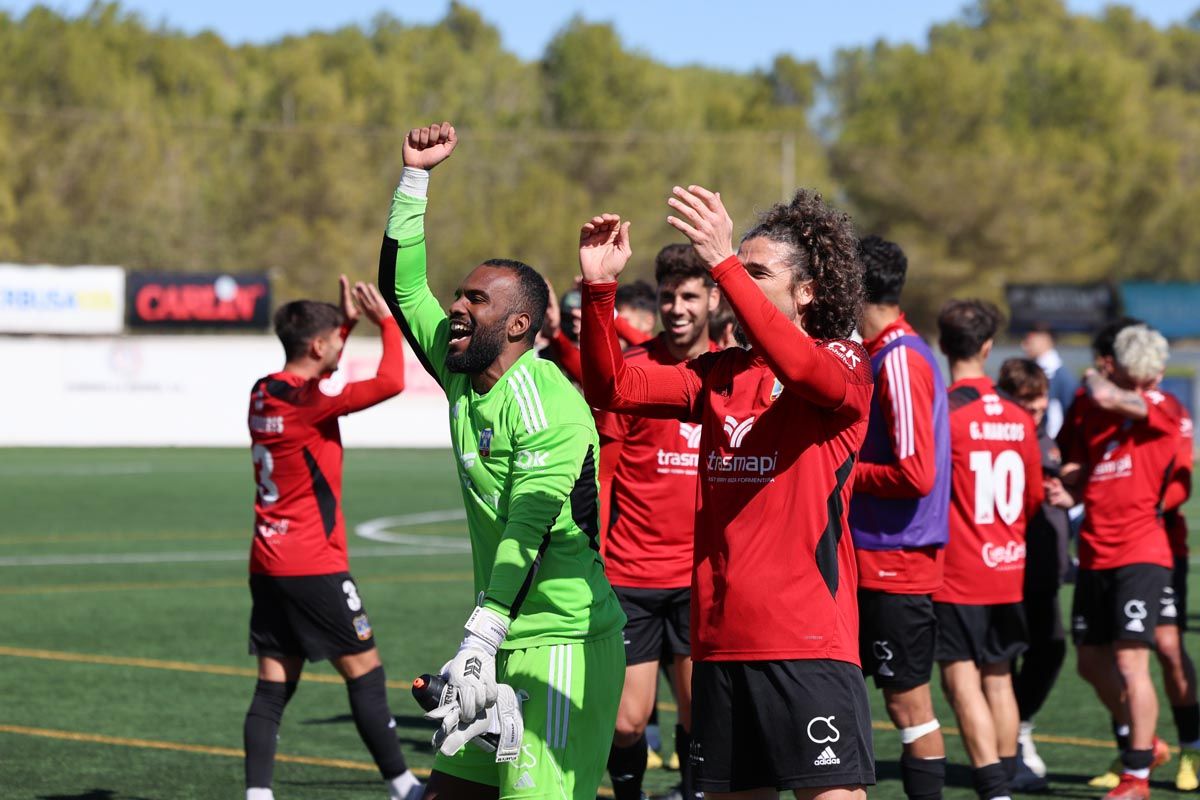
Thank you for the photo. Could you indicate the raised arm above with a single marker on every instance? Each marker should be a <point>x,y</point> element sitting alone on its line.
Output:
<point>828,375</point>
<point>608,382</point>
<point>389,376</point>
<point>402,272</point>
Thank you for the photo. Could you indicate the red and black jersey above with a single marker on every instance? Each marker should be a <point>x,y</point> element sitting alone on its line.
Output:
<point>996,488</point>
<point>775,574</point>
<point>649,543</point>
<point>1127,465</point>
<point>297,450</point>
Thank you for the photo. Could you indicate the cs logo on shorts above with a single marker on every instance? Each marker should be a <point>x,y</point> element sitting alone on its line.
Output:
<point>1168,609</point>
<point>824,728</point>
<point>1135,612</point>
<point>883,654</point>
<point>362,627</point>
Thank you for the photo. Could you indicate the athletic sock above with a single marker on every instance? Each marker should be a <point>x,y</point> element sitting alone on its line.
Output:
<point>1121,733</point>
<point>627,768</point>
<point>1187,722</point>
<point>990,781</point>
<point>401,785</point>
<point>1010,766</point>
<point>1137,762</point>
<point>923,778</point>
<point>683,749</point>
<point>260,731</point>
<point>260,794</point>
<point>369,706</point>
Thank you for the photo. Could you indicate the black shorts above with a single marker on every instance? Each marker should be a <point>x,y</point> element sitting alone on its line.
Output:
<point>992,634</point>
<point>781,724</point>
<point>315,616</point>
<point>896,636</point>
<point>659,623</point>
<point>1119,604</point>
<point>1173,609</point>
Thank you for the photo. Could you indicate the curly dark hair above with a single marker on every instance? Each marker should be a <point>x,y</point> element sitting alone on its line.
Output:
<point>825,251</point>
<point>884,269</point>
<point>964,326</point>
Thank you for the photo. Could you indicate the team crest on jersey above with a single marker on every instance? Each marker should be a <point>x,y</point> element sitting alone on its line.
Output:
<point>776,390</point>
<point>485,442</point>
<point>362,627</point>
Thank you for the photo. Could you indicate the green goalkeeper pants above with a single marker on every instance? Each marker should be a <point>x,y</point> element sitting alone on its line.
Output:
<point>574,691</point>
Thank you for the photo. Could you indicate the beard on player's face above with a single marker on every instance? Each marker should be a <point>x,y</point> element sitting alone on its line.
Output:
<point>485,345</point>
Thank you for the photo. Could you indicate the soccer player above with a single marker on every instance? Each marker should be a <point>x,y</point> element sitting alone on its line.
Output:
<point>1038,344</point>
<point>306,605</point>
<point>547,623</point>
<point>561,329</point>
<point>1046,560</point>
<point>1119,449</point>
<point>637,305</point>
<point>778,700</point>
<point>997,487</point>
<point>1178,670</point>
<point>898,516</point>
<point>648,548</point>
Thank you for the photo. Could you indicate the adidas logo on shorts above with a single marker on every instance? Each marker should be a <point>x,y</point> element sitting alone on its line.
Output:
<point>827,758</point>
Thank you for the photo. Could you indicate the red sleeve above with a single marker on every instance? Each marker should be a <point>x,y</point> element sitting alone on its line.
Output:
<point>1071,437</point>
<point>388,380</point>
<point>905,390</point>
<point>670,392</point>
<point>1179,488</point>
<point>567,355</point>
<point>630,334</point>
<point>1035,488</point>
<point>610,454</point>
<point>830,376</point>
<point>1160,415</point>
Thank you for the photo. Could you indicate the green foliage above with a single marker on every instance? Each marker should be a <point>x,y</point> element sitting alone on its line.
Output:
<point>1020,141</point>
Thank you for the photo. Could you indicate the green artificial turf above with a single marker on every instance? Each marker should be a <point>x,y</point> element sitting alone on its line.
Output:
<point>124,673</point>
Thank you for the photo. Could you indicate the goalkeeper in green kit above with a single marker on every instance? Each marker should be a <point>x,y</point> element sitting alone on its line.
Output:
<point>544,642</point>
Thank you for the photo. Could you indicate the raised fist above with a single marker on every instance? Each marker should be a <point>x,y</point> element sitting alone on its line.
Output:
<point>425,148</point>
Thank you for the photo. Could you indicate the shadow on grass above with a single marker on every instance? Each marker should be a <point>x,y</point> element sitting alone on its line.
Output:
<point>1062,784</point>
<point>365,785</point>
<point>402,721</point>
<point>90,794</point>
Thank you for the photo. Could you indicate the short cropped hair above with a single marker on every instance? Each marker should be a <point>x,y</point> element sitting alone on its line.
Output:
<point>677,263</point>
<point>1142,352</point>
<point>1022,378</point>
<point>965,325</point>
<point>533,295</point>
<point>639,296</point>
<point>884,269</point>
<point>297,323</point>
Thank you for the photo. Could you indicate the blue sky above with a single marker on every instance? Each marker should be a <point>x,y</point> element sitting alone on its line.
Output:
<point>739,35</point>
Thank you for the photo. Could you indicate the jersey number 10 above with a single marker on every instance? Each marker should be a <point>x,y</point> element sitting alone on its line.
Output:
<point>999,486</point>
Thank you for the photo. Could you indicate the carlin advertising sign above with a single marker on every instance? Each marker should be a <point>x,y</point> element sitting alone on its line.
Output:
<point>198,300</point>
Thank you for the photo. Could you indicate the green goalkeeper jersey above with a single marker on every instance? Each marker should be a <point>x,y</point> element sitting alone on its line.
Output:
<point>526,454</point>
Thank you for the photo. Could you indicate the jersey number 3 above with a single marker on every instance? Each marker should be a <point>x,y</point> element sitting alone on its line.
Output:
<point>999,486</point>
<point>264,465</point>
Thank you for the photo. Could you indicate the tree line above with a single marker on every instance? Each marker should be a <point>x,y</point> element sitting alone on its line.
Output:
<point>1019,142</point>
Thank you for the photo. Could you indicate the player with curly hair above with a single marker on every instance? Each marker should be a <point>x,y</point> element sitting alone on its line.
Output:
<point>779,700</point>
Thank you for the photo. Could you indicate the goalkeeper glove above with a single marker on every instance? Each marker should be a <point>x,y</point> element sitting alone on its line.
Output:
<point>472,672</point>
<point>499,729</point>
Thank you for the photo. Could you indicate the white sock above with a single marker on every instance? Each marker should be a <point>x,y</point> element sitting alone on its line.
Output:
<point>1025,729</point>
<point>1138,773</point>
<point>259,794</point>
<point>399,786</point>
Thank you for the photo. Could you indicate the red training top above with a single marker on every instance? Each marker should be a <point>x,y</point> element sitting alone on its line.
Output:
<point>1127,465</point>
<point>996,488</point>
<point>649,543</point>
<point>297,449</point>
<point>774,569</point>
<point>904,387</point>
